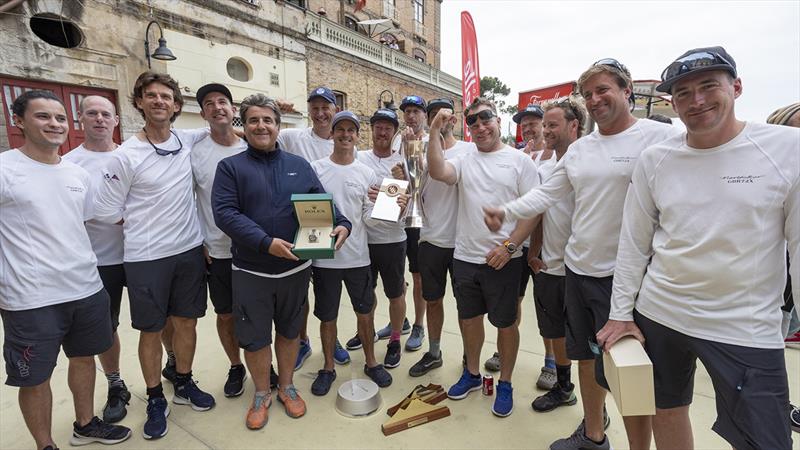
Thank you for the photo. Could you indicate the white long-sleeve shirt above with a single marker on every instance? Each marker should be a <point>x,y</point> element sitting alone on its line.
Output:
<point>154,195</point>
<point>598,169</point>
<point>704,236</point>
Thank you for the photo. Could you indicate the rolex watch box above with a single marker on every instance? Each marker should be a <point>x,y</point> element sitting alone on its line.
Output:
<point>629,373</point>
<point>386,207</point>
<point>315,216</point>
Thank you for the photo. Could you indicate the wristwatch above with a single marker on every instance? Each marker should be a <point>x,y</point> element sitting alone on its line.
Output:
<point>510,246</point>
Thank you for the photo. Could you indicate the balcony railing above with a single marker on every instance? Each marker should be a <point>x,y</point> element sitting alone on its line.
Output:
<point>333,35</point>
<point>389,9</point>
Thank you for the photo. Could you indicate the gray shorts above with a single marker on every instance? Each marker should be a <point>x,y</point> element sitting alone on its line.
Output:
<point>258,301</point>
<point>113,278</point>
<point>479,289</point>
<point>328,291</point>
<point>750,384</point>
<point>34,337</point>
<point>171,286</point>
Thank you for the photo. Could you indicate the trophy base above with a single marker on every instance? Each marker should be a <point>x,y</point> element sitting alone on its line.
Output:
<point>413,222</point>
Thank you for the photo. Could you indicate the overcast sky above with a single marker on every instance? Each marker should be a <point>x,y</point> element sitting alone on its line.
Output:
<point>531,44</point>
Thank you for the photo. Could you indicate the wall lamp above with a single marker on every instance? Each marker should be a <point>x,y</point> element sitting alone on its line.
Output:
<point>386,104</point>
<point>162,53</point>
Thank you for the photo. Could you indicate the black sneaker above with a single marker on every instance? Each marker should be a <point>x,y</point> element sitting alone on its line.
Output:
<point>379,375</point>
<point>115,408</point>
<point>322,384</point>
<point>554,398</point>
<point>50,447</point>
<point>273,377</point>
<point>234,386</point>
<point>170,373</point>
<point>98,431</point>
<point>425,365</point>
<point>794,417</point>
<point>392,358</point>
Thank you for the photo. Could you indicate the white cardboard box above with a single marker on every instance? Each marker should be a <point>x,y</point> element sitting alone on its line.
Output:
<point>629,373</point>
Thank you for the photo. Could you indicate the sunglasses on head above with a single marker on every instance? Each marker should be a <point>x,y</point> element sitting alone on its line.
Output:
<point>486,114</point>
<point>692,62</point>
<point>611,62</point>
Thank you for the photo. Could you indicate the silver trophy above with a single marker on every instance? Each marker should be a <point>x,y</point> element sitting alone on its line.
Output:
<point>415,163</point>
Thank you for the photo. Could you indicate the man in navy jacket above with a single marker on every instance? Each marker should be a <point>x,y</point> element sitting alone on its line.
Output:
<point>251,198</point>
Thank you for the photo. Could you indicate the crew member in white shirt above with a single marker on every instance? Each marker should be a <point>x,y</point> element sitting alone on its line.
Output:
<point>51,295</point>
<point>98,118</point>
<point>530,121</point>
<point>348,181</point>
<point>437,238</point>
<point>487,265</point>
<point>387,241</point>
<point>313,143</point>
<point>149,188</point>
<point>701,265</point>
<point>597,169</point>
<point>216,103</point>
<point>564,123</point>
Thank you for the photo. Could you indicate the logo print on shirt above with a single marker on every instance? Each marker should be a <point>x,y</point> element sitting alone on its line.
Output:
<point>75,189</point>
<point>110,177</point>
<point>623,159</point>
<point>741,179</point>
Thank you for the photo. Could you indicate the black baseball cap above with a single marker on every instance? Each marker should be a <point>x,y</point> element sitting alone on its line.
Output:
<point>385,114</point>
<point>530,110</point>
<point>440,103</point>
<point>412,100</point>
<point>345,115</point>
<point>693,61</point>
<point>323,93</point>
<point>213,87</point>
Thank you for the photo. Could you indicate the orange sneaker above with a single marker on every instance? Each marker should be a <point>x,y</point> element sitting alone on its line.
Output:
<point>295,406</point>
<point>258,414</point>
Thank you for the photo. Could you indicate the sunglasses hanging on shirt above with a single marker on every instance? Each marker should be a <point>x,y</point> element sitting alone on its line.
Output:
<point>161,151</point>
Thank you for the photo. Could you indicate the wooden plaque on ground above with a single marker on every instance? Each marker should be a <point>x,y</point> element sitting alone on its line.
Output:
<point>416,412</point>
<point>430,394</point>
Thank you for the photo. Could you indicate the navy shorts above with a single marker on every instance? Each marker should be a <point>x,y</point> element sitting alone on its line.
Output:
<point>328,291</point>
<point>525,274</point>
<point>548,297</point>
<point>220,285</point>
<point>412,249</point>
<point>171,286</point>
<point>750,384</point>
<point>434,264</point>
<point>480,289</point>
<point>113,278</point>
<point>33,337</point>
<point>388,261</point>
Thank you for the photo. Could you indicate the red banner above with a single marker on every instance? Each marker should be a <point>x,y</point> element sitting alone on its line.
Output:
<point>360,4</point>
<point>541,95</point>
<point>470,73</point>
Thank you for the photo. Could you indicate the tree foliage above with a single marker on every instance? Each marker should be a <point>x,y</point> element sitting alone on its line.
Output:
<point>495,90</point>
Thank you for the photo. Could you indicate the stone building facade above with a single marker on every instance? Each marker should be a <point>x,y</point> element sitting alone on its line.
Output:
<point>272,46</point>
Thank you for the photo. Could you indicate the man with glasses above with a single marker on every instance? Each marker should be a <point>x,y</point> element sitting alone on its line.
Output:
<point>529,121</point>
<point>564,123</point>
<point>438,238</point>
<point>252,204</point>
<point>51,295</point>
<point>98,118</point>
<point>701,265</point>
<point>486,267</point>
<point>216,103</point>
<point>597,169</point>
<point>148,188</point>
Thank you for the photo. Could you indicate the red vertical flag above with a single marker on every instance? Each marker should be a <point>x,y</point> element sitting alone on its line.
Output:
<point>470,74</point>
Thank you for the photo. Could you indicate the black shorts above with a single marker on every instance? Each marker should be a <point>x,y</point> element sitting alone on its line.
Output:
<point>220,285</point>
<point>434,263</point>
<point>412,249</point>
<point>525,274</point>
<point>480,289</point>
<point>750,384</point>
<point>328,291</point>
<point>113,278</point>
<point>171,286</point>
<point>33,337</point>
<point>548,296</point>
<point>388,261</point>
<point>259,301</point>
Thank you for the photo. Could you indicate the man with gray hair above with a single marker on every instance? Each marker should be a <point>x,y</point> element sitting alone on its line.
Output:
<point>251,199</point>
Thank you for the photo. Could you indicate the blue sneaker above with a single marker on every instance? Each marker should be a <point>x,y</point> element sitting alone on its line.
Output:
<point>414,342</point>
<point>386,332</point>
<point>504,400</point>
<point>189,394</point>
<point>303,354</point>
<point>157,413</point>
<point>340,355</point>
<point>466,384</point>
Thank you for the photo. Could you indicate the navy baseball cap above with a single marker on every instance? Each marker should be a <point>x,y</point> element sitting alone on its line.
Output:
<point>385,114</point>
<point>212,87</point>
<point>530,110</point>
<point>440,103</point>
<point>345,115</point>
<point>412,100</point>
<point>694,61</point>
<point>323,93</point>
